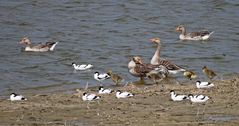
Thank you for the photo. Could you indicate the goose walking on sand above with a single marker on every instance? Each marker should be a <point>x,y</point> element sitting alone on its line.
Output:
<point>156,60</point>
<point>29,47</point>
<point>200,35</point>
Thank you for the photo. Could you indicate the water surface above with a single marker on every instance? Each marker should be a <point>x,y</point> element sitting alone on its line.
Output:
<point>106,33</point>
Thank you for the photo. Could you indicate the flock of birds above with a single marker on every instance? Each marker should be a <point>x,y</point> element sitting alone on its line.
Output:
<point>158,69</point>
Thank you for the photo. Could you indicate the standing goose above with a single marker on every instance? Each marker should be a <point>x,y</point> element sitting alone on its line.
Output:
<point>156,60</point>
<point>139,69</point>
<point>200,35</point>
<point>48,46</point>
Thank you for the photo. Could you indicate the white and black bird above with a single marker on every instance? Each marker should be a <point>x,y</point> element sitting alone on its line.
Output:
<point>89,97</point>
<point>202,99</point>
<point>82,66</point>
<point>17,97</point>
<point>198,98</point>
<point>177,97</point>
<point>104,91</point>
<point>100,77</point>
<point>200,84</point>
<point>124,94</point>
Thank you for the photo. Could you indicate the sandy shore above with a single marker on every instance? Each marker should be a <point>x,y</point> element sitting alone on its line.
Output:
<point>150,106</point>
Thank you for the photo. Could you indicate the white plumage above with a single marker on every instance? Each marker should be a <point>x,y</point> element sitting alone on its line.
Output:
<point>82,66</point>
<point>200,84</point>
<point>198,98</point>
<point>89,97</point>
<point>124,94</point>
<point>17,97</point>
<point>177,97</point>
<point>100,77</point>
<point>104,91</point>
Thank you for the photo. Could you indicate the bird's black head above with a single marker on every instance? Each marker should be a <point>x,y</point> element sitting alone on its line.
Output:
<point>190,95</point>
<point>100,87</point>
<point>73,63</point>
<point>171,91</point>
<point>96,72</point>
<point>198,81</point>
<point>14,94</point>
<point>84,93</point>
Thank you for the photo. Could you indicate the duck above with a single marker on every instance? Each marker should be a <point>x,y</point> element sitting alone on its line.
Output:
<point>200,35</point>
<point>139,69</point>
<point>48,46</point>
<point>101,76</point>
<point>156,60</point>
<point>209,73</point>
<point>190,75</point>
<point>89,97</point>
<point>177,97</point>
<point>82,66</point>
<point>200,84</point>
<point>104,91</point>
<point>17,97</point>
<point>125,94</point>
<point>114,77</point>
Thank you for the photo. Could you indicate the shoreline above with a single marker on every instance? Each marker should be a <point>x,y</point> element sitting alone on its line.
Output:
<point>149,106</point>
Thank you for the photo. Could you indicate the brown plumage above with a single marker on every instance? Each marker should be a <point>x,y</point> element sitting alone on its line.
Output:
<point>114,77</point>
<point>190,75</point>
<point>48,46</point>
<point>209,73</point>
<point>141,70</point>
<point>200,35</point>
<point>156,60</point>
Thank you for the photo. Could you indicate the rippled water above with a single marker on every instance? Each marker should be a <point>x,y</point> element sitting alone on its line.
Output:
<point>106,33</point>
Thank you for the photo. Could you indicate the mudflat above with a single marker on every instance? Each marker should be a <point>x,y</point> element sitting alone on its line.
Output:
<point>150,106</point>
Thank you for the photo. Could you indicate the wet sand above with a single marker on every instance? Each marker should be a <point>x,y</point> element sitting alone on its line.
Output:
<point>150,106</point>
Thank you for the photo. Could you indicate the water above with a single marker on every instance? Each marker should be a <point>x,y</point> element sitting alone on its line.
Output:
<point>106,33</point>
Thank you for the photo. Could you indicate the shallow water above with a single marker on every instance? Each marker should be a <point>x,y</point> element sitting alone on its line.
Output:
<point>106,33</point>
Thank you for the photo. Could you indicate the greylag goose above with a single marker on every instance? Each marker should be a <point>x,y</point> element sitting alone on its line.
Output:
<point>200,35</point>
<point>156,60</point>
<point>139,69</point>
<point>48,46</point>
